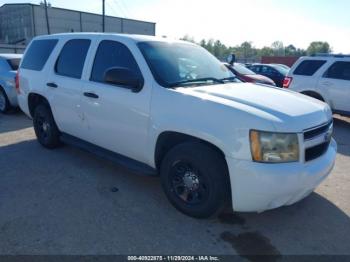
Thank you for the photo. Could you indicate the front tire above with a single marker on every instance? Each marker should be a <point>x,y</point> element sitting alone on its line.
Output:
<point>195,179</point>
<point>4,102</point>
<point>45,127</point>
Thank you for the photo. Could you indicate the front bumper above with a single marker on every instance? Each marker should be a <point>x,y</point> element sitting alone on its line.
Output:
<point>257,187</point>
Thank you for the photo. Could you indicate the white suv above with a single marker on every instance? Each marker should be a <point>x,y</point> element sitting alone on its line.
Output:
<point>171,108</point>
<point>324,77</point>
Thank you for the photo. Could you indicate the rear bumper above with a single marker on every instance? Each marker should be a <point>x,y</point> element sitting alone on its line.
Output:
<point>257,186</point>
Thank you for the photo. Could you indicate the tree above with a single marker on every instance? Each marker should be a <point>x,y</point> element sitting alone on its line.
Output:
<point>246,49</point>
<point>318,47</point>
<point>188,39</point>
<point>290,50</point>
<point>220,50</point>
<point>203,43</point>
<point>265,51</point>
<point>278,48</point>
<point>246,52</point>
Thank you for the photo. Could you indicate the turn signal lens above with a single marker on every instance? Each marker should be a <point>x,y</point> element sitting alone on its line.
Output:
<point>255,145</point>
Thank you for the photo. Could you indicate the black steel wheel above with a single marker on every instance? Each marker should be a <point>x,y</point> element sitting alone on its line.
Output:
<point>45,127</point>
<point>188,184</point>
<point>195,179</point>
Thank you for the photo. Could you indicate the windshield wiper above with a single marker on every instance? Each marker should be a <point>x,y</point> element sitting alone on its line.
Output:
<point>204,79</point>
<point>231,78</point>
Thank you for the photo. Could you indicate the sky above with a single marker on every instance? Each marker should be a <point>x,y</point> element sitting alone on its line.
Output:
<point>262,22</point>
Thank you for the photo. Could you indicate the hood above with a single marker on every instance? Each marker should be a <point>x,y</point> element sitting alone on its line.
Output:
<point>286,110</point>
<point>261,78</point>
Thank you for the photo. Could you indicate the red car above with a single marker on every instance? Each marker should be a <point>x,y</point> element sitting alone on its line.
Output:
<point>246,75</point>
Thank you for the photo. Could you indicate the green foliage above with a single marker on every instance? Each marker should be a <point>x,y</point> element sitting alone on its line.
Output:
<point>318,47</point>
<point>248,53</point>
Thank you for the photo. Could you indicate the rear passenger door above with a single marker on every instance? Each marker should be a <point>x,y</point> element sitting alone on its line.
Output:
<point>336,80</point>
<point>64,85</point>
<point>116,118</point>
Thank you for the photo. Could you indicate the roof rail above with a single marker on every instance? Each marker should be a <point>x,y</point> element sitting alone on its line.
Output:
<point>330,55</point>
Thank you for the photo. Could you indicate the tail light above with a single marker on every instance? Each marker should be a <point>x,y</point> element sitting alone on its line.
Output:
<point>286,82</point>
<point>17,82</point>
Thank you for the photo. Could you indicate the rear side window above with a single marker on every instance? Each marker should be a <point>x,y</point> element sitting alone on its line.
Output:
<point>308,67</point>
<point>339,70</point>
<point>112,54</point>
<point>38,53</point>
<point>14,63</point>
<point>256,69</point>
<point>71,60</point>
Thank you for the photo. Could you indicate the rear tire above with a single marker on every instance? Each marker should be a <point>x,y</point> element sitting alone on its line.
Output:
<point>45,127</point>
<point>4,102</point>
<point>195,179</point>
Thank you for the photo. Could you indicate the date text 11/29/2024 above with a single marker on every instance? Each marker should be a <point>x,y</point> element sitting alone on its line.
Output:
<point>173,258</point>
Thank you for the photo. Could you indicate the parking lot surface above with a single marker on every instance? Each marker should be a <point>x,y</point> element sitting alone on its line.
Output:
<point>67,201</point>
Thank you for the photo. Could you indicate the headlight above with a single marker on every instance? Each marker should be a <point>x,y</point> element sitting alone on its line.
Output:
<point>274,147</point>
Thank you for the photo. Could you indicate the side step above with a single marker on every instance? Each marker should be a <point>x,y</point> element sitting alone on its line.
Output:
<point>133,165</point>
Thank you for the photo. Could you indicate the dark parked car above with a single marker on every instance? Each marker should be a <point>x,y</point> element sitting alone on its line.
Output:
<point>275,72</point>
<point>282,65</point>
<point>246,75</point>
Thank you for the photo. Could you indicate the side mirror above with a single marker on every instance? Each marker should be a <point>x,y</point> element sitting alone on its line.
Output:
<point>123,77</point>
<point>231,58</point>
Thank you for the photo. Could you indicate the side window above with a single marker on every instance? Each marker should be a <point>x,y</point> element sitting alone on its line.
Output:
<point>256,69</point>
<point>71,60</point>
<point>339,70</point>
<point>14,63</point>
<point>112,54</point>
<point>266,70</point>
<point>308,67</point>
<point>274,72</point>
<point>38,53</point>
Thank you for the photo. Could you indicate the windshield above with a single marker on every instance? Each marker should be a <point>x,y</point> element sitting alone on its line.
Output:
<point>179,64</point>
<point>14,63</point>
<point>242,69</point>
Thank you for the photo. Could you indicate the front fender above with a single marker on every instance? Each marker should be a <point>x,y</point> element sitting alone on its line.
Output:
<point>223,126</point>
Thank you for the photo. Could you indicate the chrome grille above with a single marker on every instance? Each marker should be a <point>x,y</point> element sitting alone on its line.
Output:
<point>316,140</point>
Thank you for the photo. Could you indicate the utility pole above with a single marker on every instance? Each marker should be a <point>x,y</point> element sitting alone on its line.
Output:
<point>103,15</point>
<point>47,18</point>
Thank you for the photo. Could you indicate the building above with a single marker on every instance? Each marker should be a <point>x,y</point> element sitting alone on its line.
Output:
<point>19,23</point>
<point>285,60</point>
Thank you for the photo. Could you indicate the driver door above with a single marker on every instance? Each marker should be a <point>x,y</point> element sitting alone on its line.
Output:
<point>116,118</point>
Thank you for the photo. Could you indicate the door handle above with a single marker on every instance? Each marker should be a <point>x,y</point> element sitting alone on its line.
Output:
<point>91,95</point>
<point>51,84</point>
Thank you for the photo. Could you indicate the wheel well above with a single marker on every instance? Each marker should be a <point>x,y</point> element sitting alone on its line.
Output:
<point>313,94</point>
<point>167,140</point>
<point>34,100</point>
<point>3,90</point>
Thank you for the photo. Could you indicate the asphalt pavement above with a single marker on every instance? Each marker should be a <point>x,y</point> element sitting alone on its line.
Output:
<point>67,201</point>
